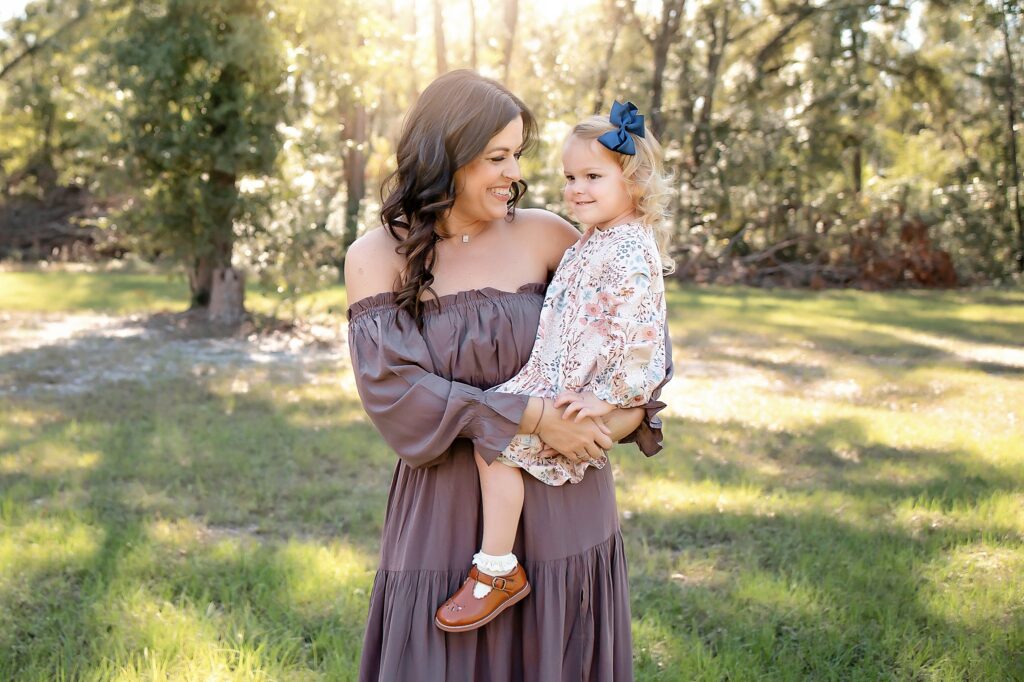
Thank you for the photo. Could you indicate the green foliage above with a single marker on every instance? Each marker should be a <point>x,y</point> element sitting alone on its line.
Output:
<point>57,124</point>
<point>202,90</point>
<point>782,122</point>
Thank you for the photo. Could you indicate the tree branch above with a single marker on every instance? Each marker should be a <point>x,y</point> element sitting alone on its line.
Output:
<point>84,8</point>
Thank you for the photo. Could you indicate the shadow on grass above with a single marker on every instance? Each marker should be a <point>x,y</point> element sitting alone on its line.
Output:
<point>189,611</point>
<point>766,590</point>
<point>837,454</point>
<point>807,315</point>
<point>806,596</point>
<point>242,481</point>
<point>247,485</point>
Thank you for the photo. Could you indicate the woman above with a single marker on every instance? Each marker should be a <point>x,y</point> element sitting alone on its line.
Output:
<point>447,297</point>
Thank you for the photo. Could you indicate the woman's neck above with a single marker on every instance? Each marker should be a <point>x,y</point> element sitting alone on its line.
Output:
<point>454,225</point>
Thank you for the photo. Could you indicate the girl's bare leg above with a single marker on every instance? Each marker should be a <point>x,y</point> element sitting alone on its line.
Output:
<point>501,489</point>
<point>481,598</point>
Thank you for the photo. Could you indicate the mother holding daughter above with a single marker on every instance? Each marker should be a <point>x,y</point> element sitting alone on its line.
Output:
<point>447,298</point>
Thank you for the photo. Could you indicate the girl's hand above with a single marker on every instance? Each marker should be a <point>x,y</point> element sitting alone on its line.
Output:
<point>578,441</point>
<point>583,405</point>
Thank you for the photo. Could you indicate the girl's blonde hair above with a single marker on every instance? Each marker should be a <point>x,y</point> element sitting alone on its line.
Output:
<point>646,179</point>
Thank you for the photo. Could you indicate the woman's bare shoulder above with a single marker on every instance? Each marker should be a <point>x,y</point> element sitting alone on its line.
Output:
<point>548,231</point>
<point>372,265</point>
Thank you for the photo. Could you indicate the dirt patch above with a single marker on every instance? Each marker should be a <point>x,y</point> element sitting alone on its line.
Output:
<point>76,353</point>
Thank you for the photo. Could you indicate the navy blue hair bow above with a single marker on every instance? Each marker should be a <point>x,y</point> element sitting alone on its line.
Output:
<point>627,118</point>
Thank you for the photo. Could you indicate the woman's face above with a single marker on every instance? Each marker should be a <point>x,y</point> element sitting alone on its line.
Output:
<point>483,186</point>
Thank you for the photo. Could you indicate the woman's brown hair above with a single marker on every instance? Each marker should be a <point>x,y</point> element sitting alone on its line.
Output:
<point>449,126</point>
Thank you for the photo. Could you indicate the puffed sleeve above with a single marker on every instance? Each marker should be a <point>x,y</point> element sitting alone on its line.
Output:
<point>633,320</point>
<point>417,412</point>
<point>648,436</point>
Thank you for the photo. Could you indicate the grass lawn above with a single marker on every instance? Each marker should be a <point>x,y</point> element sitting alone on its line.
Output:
<point>60,290</point>
<point>841,495</point>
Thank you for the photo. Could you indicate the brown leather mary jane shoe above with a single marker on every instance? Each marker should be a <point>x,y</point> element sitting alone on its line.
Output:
<point>463,612</point>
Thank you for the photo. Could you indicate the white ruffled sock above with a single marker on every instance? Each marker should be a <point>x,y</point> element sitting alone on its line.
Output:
<point>492,565</point>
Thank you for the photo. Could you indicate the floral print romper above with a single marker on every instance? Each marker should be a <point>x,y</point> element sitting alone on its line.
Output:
<point>601,330</point>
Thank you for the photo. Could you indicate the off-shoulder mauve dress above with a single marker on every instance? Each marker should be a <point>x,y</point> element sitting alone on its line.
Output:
<point>425,391</point>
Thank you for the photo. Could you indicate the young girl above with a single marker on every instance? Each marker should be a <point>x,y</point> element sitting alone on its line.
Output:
<point>599,342</point>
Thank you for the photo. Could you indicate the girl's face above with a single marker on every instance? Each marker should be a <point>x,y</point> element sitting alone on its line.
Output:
<point>483,186</point>
<point>594,186</point>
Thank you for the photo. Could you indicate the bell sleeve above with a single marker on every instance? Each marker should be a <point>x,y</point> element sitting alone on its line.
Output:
<point>417,412</point>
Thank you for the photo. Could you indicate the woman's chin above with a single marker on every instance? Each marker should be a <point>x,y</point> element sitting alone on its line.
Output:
<point>497,210</point>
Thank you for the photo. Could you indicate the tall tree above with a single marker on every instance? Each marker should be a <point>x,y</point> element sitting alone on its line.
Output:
<point>440,51</point>
<point>203,78</point>
<point>511,16</point>
<point>472,35</point>
<point>661,39</point>
<point>1009,10</point>
<point>613,10</point>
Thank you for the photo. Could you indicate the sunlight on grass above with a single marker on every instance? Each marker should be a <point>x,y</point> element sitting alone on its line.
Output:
<point>978,585</point>
<point>94,291</point>
<point>998,513</point>
<point>320,579</point>
<point>841,495</point>
<point>647,493</point>
<point>48,459</point>
<point>30,545</point>
<point>121,292</point>
<point>137,619</point>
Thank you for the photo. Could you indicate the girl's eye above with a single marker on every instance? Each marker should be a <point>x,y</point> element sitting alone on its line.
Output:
<point>498,159</point>
<point>593,176</point>
<point>569,178</point>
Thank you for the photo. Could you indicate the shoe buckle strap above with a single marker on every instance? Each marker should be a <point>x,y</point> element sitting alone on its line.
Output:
<point>504,583</point>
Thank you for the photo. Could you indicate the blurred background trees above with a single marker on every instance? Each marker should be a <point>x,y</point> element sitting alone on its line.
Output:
<point>812,142</point>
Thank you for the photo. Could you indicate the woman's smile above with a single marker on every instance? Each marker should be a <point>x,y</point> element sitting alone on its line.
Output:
<point>501,193</point>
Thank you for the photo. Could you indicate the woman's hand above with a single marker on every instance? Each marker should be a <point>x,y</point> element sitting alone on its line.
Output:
<point>620,423</point>
<point>578,441</point>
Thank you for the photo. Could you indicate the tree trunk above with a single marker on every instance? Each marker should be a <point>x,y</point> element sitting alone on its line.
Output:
<point>355,172</point>
<point>1011,133</point>
<point>702,134</point>
<point>207,271</point>
<point>660,60</point>
<point>472,35</point>
<point>660,42</point>
<point>439,49</point>
<point>227,298</point>
<point>216,240</point>
<point>414,86</point>
<point>604,69</point>
<point>511,19</point>
<point>857,164</point>
<point>200,272</point>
